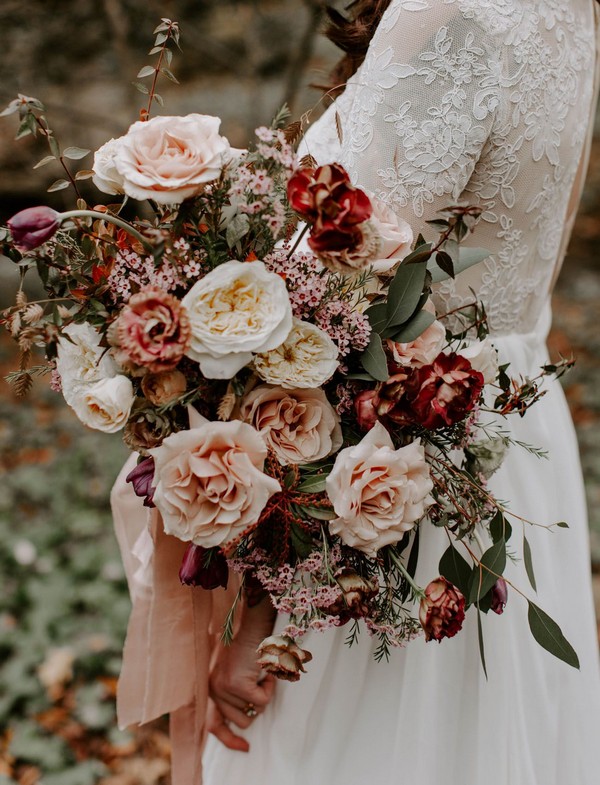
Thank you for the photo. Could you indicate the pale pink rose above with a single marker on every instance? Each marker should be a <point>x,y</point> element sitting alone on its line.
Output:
<point>152,331</point>
<point>378,492</point>
<point>423,350</point>
<point>483,358</point>
<point>300,426</point>
<point>396,236</point>
<point>106,177</point>
<point>210,487</point>
<point>166,159</point>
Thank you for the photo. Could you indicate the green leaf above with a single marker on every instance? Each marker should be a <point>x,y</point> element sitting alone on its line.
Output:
<point>373,359</point>
<point>494,559</point>
<point>411,330</point>
<point>562,525</point>
<point>317,513</point>
<point>301,541</point>
<point>314,484</point>
<point>445,263</point>
<point>53,145</point>
<point>549,635</point>
<point>58,185</point>
<point>481,646</point>
<point>465,258</point>
<point>405,292</point>
<point>160,39</point>
<point>237,228</point>
<point>75,153</point>
<point>422,253</point>
<point>44,161</point>
<point>84,174</point>
<point>141,87</point>
<point>169,74</point>
<point>158,99</point>
<point>528,563</point>
<point>500,528</point>
<point>454,568</point>
<point>377,316</point>
<point>147,70</point>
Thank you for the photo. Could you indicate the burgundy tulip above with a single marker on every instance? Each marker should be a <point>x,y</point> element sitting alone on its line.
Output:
<point>204,567</point>
<point>499,596</point>
<point>141,479</point>
<point>31,228</point>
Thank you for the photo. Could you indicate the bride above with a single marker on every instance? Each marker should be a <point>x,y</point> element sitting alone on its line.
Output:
<point>490,102</point>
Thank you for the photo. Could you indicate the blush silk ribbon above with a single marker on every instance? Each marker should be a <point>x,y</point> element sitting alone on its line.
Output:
<point>173,633</point>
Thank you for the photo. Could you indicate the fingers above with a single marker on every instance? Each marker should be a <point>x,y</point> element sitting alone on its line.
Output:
<point>217,725</point>
<point>235,715</point>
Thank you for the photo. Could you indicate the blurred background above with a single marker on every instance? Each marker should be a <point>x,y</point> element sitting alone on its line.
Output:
<point>63,599</point>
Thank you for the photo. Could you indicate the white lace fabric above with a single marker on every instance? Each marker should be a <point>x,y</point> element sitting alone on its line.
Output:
<point>486,102</point>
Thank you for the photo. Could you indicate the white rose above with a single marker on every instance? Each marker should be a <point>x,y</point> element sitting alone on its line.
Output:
<point>81,360</point>
<point>377,492</point>
<point>483,357</point>
<point>169,159</point>
<point>307,358</point>
<point>395,235</point>
<point>105,405</point>
<point>106,177</point>
<point>238,309</point>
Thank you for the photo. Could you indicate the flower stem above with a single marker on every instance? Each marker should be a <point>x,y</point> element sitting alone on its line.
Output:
<point>299,239</point>
<point>110,219</point>
<point>417,590</point>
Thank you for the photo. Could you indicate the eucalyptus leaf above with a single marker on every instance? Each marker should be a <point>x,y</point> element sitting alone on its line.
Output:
<point>314,484</point>
<point>481,645</point>
<point>405,292</point>
<point>500,528</point>
<point>456,569</point>
<point>549,635</point>
<point>377,316</point>
<point>75,153</point>
<point>301,541</point>
<point>317,513</point>
<point>237,228</point>
<point>46,160</point>
<point>493,563</point>
<point>412,329</point>
<point>465,258</point>
<point>373,359</point>
<point>527,558</point>
<point>147,70</point>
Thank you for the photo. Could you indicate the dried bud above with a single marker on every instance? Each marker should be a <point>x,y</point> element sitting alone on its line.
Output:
<point>357,593</point>
<point>141,479</point>
<point>442,610</point>
<point>146,428</point>
<point>282,657</point>
<point>499,596</point>
<point>31,228</point>
<point>204,567</point>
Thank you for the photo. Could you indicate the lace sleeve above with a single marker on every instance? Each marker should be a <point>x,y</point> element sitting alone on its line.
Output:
<point>420,109</point>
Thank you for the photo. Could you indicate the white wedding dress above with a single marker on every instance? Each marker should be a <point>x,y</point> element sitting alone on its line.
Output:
<point>490,102</point>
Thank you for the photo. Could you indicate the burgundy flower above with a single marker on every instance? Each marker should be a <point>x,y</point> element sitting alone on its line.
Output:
<point>442,610</point>
<point>326,198</point>
<point>433,396</point>
<point>364,406</point>
<point>31,228</point>
<point>499,596</point>
<point>141,479</point>
<point>205,567</point>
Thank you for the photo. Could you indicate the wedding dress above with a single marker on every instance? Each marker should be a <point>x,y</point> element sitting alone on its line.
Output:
<point>490,102</point>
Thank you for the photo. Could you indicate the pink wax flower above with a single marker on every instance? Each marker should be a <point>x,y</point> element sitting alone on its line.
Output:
<point>31,227</point>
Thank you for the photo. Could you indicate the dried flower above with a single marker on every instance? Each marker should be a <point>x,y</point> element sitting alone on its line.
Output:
<point>146,429</point>
<point>280,656</point>
<point>442,610</point>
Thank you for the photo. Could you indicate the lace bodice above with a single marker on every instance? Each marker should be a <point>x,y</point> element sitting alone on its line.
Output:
<point>485,101</point>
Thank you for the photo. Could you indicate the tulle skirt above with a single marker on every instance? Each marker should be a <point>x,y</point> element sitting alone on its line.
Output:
<point>429,715</point>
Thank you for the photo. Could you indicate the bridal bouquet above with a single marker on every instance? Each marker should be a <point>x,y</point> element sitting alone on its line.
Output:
<point>265,340</point>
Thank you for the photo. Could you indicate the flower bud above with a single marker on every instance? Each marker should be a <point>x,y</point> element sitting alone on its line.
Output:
<point>282,657</point>
<point>499,596</point>
<point>356,597</point>
<point>205,567</point>
<point>442,610</point>
<point>141,479</point>
<point>31,227</point>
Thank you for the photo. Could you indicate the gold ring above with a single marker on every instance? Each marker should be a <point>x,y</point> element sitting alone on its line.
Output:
<point>250,710</point>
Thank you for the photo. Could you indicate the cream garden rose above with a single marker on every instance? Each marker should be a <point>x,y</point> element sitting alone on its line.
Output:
<point>105,405</point>
<point>238,309</point>
<point>210,486</point>
<point>300,426</point>
<point>378,492</point>
<point>306,359</point>
<point>395,236</point>
<point>423,350</point>
<point>483,358</point>
<point>166,159</point>
<point>81,360</point>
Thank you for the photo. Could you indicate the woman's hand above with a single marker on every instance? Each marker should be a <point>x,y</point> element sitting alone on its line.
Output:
<point>237,683</point>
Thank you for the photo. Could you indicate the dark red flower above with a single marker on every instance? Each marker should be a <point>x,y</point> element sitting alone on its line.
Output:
<point>205,567</point>
<point>499,596</point>
<point>366,414</point>
<point>141,479</point>
<point>434,396</point>
<point>442,610</point>
<point>31,228</point>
